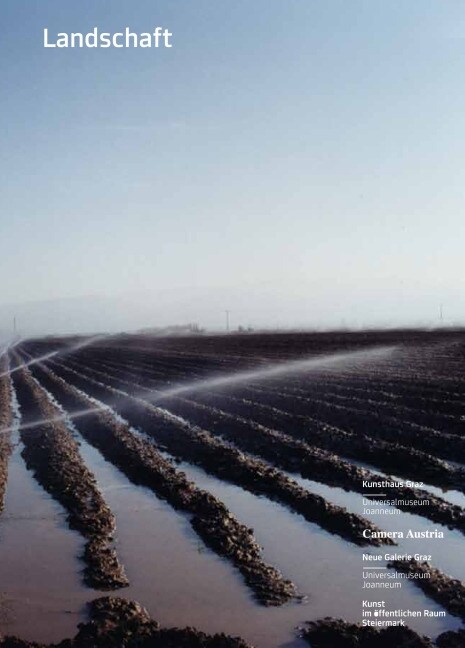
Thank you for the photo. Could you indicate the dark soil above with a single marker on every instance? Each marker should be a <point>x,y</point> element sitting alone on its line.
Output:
<point>5,423</point>
<point>53,455</point>
<point>403,414</point>
<point>118,623</point>
<point>449,592</point>
<point>227,463</point>
<point>290,453</point>
<point>213,350</point>
<point>334,633</point>
<point>451,639</point>
<point>143,464</point>
<point>330,430</point>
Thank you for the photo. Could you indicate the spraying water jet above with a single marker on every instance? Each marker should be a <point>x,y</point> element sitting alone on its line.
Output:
<point>155,396</point>
<point>75,347</point>
<point>280,369</point>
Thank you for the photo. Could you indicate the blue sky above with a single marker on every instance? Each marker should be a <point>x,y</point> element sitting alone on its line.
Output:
<point>307,151</point>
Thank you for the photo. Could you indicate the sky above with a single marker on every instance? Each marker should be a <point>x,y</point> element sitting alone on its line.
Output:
<point>298,162</point>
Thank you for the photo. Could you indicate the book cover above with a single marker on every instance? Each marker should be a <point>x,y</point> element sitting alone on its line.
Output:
<point>232,394</point>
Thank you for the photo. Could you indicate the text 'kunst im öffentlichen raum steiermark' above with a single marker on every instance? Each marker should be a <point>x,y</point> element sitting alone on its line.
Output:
<point>159,37</point>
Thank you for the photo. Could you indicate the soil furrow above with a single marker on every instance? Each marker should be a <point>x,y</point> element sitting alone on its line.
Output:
<point>198,447</point>
<point>447,591</point>
<point>361,421</point>
<point>444,413</point>
<point>53,455</point>
<point>335,633</point>
<point>435,402</point>
<point>118,623</point>
<point>297,456</point>
<point>419,413</point>
<point>387,456</point>
<point>140,461</point>
<point>6,417</point>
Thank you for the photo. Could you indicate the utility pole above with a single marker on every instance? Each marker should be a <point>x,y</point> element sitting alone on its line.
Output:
<point>227,321</point>
<point>14,325</point>
<point>441,313</point>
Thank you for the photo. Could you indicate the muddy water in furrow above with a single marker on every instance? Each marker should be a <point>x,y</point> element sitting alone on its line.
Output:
<point>41,594</point>
<point>324,567</point>
<point>178,579</point>
<point>314,560</point>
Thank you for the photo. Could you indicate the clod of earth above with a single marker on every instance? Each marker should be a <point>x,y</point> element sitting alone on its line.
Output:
<point>118,623</point>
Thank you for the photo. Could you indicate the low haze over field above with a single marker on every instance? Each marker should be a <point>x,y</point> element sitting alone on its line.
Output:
<point>298,163</point>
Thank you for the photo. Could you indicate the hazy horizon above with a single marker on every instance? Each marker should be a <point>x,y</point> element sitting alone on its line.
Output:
<point>257,307</point>
<point>299,164</point>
